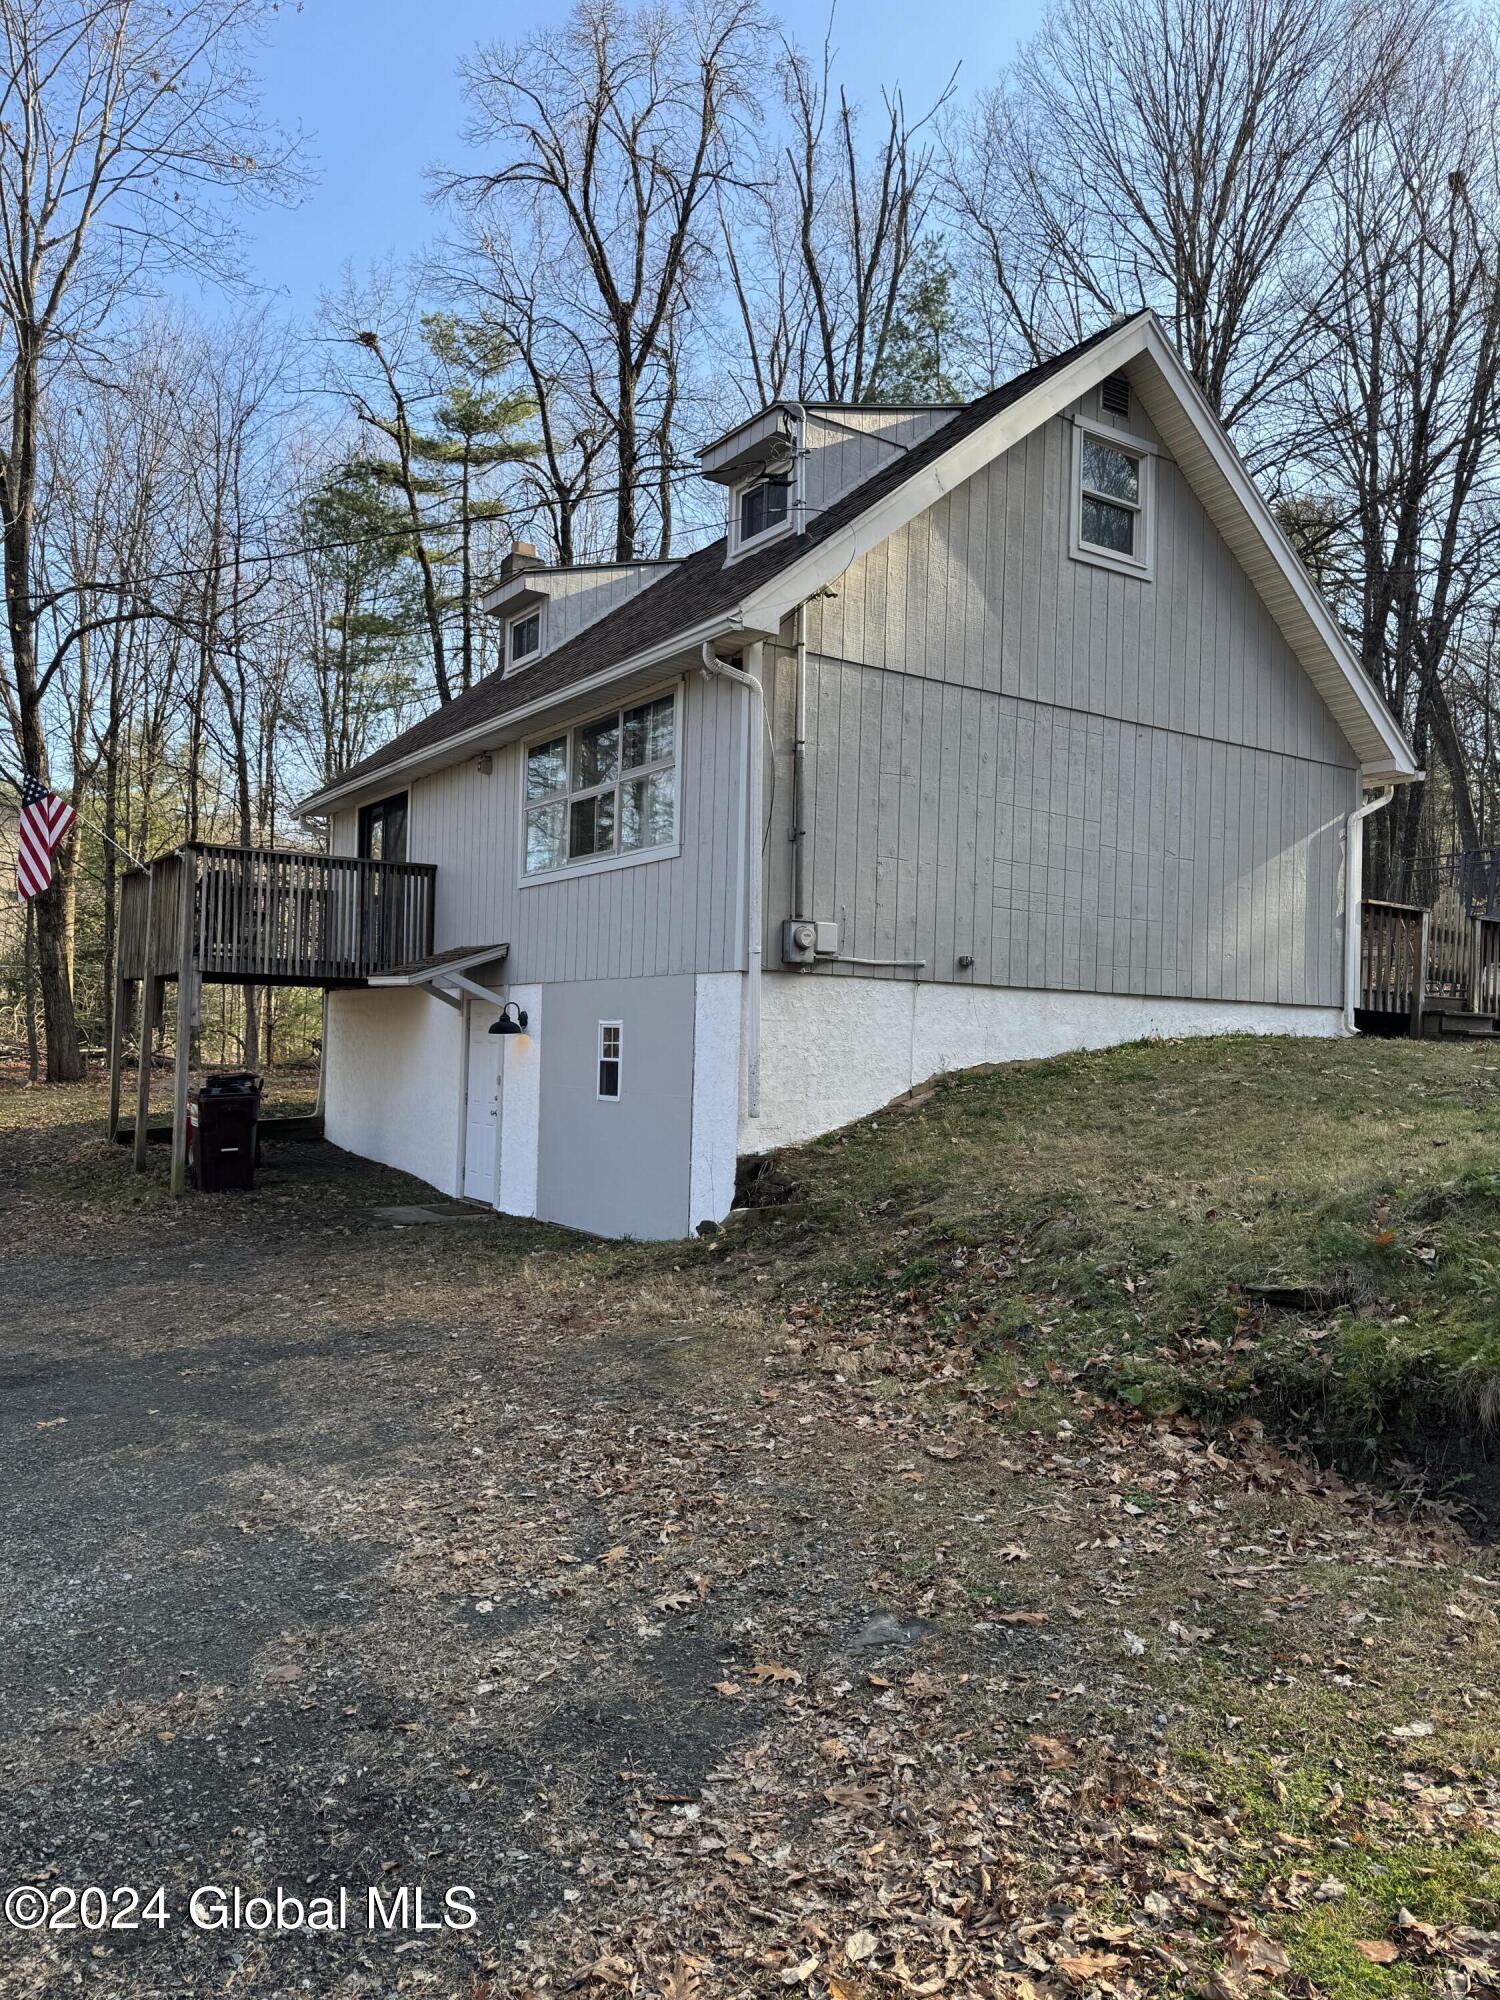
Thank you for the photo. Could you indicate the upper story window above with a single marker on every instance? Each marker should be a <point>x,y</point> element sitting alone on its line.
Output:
<point>603,790</point>
<point>524,637</point>
<point>763,506</point>
<point>382,829</point>
<point>1113,478</point>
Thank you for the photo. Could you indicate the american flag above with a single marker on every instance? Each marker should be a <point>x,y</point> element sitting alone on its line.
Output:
<point>45,819</point>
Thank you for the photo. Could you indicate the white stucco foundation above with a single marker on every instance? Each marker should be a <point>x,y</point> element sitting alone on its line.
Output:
<point>395,1076</point>
<point>716,1095</point>
<point>834,1049</point>
<point>521,1107</point>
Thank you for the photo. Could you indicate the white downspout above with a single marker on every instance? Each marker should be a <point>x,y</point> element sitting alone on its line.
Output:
<point>799,775</point>
<point>1354,876</point>
<point>754,914</point>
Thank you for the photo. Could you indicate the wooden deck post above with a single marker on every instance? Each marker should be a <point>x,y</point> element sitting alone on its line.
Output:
<point>1419,984</point>
<point>187,1004</point>
<point>150,1013</point>
<point>321,1106</point>
<point>1474,998</point>
<point>118,1025</point>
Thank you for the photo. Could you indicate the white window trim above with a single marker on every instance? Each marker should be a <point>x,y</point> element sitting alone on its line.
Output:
<point>600,864</point>
<point>1143,566</point>
<point>539,613</point>
<point>619,1062</point>
<point>741,544</point>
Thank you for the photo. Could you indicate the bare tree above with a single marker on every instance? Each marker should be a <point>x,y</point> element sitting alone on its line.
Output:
<point>612,133</point>
<point>119,122</point>
<point>1400,416</point>
<point>1168,153</point>
<point>858,221</point>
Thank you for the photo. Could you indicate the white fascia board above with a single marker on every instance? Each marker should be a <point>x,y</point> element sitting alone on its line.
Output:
<point>495,730</point>
<point>1384,749</point>
<point>1396,762</point>
<point>829,559</point>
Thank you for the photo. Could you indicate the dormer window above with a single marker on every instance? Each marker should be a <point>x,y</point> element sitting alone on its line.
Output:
<point>524,637</point>
<point>762,507</point>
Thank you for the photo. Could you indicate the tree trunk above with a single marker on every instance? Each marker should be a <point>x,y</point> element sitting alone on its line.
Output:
<point>627,453</point>
<point>18,498</point>
<point>28,995</point>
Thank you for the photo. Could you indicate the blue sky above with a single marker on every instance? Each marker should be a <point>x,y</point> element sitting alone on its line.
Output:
<point>373,84</point>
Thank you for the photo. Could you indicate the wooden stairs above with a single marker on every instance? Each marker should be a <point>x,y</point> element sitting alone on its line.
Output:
<point>1445,1019</point>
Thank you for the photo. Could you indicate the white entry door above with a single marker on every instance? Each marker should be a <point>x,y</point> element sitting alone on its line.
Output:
<point>483,1126</point>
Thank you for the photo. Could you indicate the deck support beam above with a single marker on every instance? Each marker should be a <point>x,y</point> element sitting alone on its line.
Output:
<point>150,1014</point>
<point>187,1008</point>
<point>118,1028</point>
<point>152,989</point>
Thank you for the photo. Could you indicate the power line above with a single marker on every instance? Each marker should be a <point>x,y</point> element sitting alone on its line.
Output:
<point>121,587</point>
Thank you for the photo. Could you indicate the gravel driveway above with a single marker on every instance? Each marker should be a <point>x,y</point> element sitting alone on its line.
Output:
<point>286,1584</point>
<point>664,1634</point>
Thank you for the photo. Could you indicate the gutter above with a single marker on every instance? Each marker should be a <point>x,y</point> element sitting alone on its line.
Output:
<point>495,729</point>
<point>1354,876</point>
<point>754,918</point>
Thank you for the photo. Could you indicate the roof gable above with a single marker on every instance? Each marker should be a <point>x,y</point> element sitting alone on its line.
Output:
<point>703,598</point>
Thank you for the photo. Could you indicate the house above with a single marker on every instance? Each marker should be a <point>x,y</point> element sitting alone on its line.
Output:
<point>12,909</point>
<point>985,732</point>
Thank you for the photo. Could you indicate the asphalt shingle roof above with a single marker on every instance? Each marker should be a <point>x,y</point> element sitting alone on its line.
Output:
<point>697,587</point>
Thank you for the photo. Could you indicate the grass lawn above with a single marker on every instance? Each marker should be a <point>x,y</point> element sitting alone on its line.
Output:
<point>1060,1510</point>
<point>1304,1231</point>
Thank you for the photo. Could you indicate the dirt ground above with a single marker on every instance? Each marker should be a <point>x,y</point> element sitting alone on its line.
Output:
<point>710,1651</point>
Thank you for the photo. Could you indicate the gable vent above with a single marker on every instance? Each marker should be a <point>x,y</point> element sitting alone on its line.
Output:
<point>1114,395</point>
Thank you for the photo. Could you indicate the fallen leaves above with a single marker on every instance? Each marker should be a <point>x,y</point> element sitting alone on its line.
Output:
<point>1379,1951</point>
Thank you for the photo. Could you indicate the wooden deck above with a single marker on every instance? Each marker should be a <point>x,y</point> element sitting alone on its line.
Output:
<point>274,916</point>
<point>256,916</point>
<point>1429,968</point>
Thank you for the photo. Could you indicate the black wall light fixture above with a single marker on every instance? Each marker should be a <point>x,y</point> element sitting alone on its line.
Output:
<point>512,1020</point>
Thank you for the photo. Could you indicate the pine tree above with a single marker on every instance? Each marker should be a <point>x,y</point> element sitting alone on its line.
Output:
<point>445,472</point>
<point>923,334</point>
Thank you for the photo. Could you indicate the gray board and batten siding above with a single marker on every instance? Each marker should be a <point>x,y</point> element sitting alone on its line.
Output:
<point>1082,780</point>
<point>648,918</point>
<point>574,598</point>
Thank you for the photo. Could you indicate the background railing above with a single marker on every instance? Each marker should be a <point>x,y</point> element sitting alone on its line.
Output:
<point>1393,959</point>
<point>266,914</point>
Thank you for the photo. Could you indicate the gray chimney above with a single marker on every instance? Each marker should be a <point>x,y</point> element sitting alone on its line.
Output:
<point>522,556</point>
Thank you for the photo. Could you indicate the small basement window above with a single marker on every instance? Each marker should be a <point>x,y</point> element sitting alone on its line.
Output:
<point>1112,500</point>
<point>762,507</point>
<point>525,637</point>
<point>610,1037</point>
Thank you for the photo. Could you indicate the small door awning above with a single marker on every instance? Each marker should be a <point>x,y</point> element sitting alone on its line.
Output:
<point>445,970</point>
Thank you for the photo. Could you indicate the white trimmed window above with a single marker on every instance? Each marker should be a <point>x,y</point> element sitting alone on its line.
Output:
<point>1113,479</point>
<point>760,508</point>
<point>611,1051</point>
<point>523,638</point>
<point>604,791</point>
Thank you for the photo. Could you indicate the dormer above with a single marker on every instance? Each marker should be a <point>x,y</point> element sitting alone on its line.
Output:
<point>758,463</point>
<point>544,605</point>
<point>785,466</point>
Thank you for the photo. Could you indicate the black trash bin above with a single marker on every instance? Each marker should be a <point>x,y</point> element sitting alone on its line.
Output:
<point>223,1113</point>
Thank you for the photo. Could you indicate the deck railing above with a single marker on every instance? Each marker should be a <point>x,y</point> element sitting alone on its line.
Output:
<point>275,916</point>
<point>1410,957</point>
<point>1463,959</point>
<point>1393,959</point>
